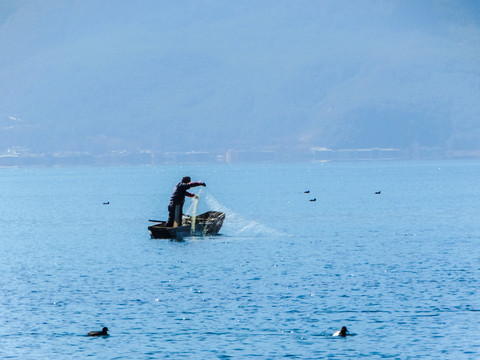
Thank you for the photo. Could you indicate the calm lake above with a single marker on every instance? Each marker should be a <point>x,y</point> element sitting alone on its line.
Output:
<point>399,269</point>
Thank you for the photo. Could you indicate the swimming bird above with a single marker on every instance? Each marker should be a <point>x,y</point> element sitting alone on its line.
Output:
<point>342,332</point>
<point>315,199</point>
<point>378,192</point>
<point>307,192</point>
<point>106,203</point>
<point>99,333</point>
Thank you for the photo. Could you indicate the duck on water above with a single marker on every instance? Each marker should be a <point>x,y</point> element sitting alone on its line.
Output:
<point>342,332</point>
<point>104,332</point>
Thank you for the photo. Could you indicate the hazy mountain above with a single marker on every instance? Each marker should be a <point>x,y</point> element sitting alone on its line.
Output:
<point>213,74</point>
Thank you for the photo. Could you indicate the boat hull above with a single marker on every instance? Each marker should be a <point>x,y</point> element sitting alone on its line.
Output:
<point>208,223</point>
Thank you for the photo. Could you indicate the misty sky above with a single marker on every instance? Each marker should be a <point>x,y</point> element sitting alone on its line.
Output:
<point>202,75</point>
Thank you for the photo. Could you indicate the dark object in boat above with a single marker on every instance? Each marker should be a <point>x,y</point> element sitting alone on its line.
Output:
<point>208,223</point>
<point>104,332</point>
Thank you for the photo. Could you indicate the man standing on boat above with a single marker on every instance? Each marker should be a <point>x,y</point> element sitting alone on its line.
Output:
<point>175,207</point>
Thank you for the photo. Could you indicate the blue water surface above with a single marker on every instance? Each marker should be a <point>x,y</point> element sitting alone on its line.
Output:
<point>400,269</point>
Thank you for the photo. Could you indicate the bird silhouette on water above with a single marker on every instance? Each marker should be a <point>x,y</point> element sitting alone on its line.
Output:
<point>342,332</point>
<point>104,332</point>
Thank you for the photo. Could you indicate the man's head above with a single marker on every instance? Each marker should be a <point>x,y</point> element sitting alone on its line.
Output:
<point>186,179</point>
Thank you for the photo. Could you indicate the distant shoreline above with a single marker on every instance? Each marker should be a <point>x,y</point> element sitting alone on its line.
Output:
<point>144,158</point>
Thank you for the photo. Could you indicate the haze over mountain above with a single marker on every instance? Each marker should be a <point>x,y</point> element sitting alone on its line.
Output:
<point>100,76</point>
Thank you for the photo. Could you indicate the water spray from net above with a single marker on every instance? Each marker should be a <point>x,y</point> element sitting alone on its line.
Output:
<point>234,224</point>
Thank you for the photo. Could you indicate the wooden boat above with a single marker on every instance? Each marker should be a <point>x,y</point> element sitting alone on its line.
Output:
<point>208,223</point>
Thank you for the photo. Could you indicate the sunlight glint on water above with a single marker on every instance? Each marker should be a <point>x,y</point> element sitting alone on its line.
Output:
<point>282,277</point>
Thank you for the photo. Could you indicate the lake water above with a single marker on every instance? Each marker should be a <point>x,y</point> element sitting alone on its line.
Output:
<point>400,269</point>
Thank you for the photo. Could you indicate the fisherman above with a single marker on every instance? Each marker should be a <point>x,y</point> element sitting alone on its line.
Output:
<point>178,199</point>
